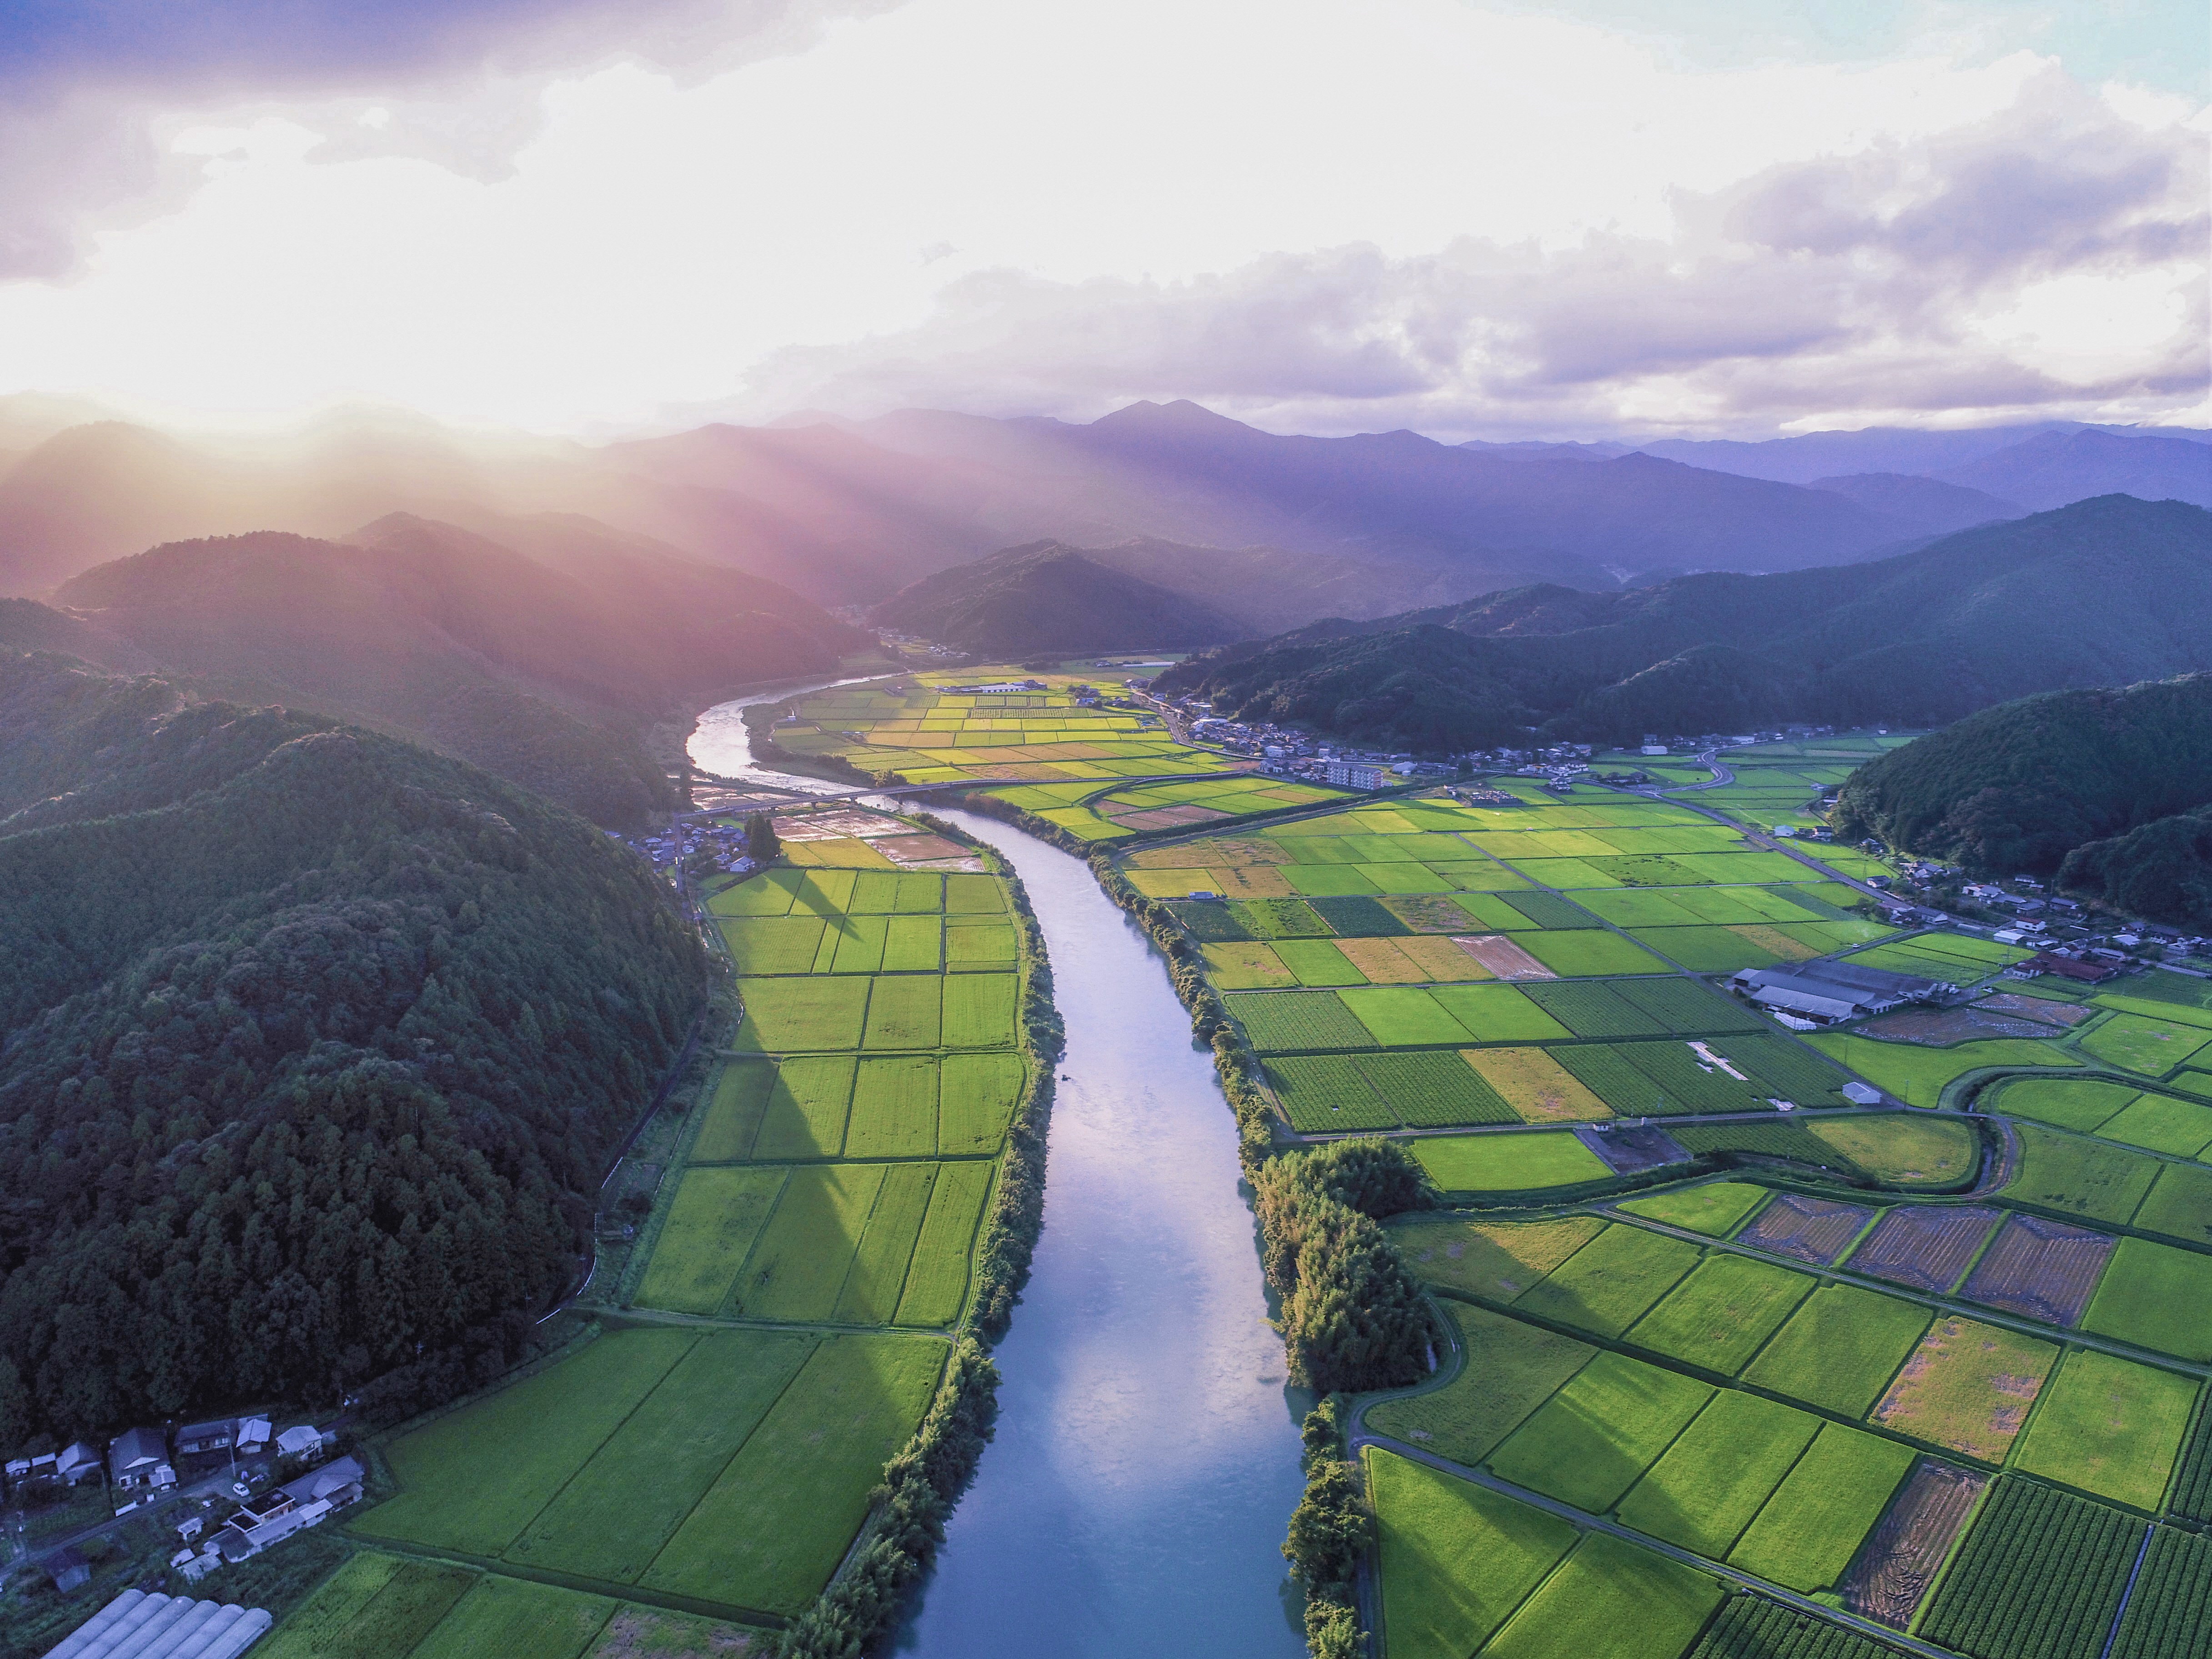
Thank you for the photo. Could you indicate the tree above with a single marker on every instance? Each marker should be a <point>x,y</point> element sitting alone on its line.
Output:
<point>760,844</point>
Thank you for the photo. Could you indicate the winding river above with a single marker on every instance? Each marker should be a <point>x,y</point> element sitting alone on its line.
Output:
<point>1146,1457</point>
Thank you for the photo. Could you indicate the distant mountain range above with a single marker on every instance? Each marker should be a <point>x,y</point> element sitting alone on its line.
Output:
<point>542,656</point>
<point>1047,596</point>
<point>2101,592</point>
<point>849,513</point>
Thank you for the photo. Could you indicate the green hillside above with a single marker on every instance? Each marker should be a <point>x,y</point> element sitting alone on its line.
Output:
<point>317,1043</point>
<point>1048,598</point>
<point>2092,779</point>
<point>545,669</point>
<point>2105,592</point>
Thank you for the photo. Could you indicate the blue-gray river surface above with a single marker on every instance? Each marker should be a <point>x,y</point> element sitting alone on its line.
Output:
<point>1134,1497</point>
<point>1146,1459</point>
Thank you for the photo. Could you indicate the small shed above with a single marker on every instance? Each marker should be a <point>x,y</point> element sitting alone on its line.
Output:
<point>67,1568</point>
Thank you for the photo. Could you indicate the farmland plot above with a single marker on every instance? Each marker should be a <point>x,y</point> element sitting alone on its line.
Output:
<point>1712,1480</point>
<point>1535,1087</point>
<point>1810,1531</point>
<point>2039,1576</point>
<point>2043,1270</point>
<point>1817,1230</point>
<point>1909,1546</point>
<point>1718,1316</point>
<point>1607,1285</point>
<point>1968,1386</point>
<point>1431,1528</point>
<point>1497,1259</point>
<point>2158,1297</point>
<point>2109,1427</point>
<point>1609,1600</point>
<point>1509,1162</point>
<point>1840,1349</point>
<point>2167,1615</point>
<point>1510,1369</point>
<point>1711,1207</point>
<point>1925,1246</point>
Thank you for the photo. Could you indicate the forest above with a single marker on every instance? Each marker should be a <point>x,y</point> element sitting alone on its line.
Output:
<point>2099,592</point>
<point>316,1045</point>
<point>2103,787</point>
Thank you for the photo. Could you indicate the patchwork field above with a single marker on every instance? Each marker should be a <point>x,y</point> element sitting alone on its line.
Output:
<point>653,1456</point>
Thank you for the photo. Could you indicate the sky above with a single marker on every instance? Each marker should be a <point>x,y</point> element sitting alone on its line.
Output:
<point>1474,218</point>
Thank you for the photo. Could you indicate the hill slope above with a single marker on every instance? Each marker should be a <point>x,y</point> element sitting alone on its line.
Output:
<point>1047,596</point>
<point>2092,781</point>
<point>2101,592</point>
<point>315,1044</point>
<point>542,671</point>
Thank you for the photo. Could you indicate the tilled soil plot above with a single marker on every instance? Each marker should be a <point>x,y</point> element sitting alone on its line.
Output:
<point>1903,1554</point>
<point>1809,1228</point>
<point>1938,1028</point>
<point>1502,957</point>
<point>2043,1269</point>
<point>1924,1245</point>
<point>1631,1152</point>
<point>2036,1008</point>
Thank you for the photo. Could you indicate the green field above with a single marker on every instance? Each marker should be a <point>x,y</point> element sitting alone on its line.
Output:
<point>2156,1296</point>
<point>1496,1259</point>
<point>1840,1349</point>
<point>2136,1043</point>
<point>652,1457</point>
<point>2162,1123</point>
<point>1811,1528</point>
<point>1609,1601</point>
<point>1594,1439</point>
<point>1431,1528</point>
<point>2180,1204</point>
<point>976,1097</point>
<point>1711,1207</point>
<point>711,1226</point>
<point>1918,1076</point>
<point>798,1015</point>
<point>807,1105</point>
<point>1591,950</point>
<point>2080,1104</point>
<point>1509,1162</point>
<point>2109,1427</point>
<point>827,1436</point>
<point>2078,1177</point>
<point>936,1283</point>
<point>1510,1369</point>
<point>1606,1287</point>
<point>1718,1316</point>
<point>1719,1474</point>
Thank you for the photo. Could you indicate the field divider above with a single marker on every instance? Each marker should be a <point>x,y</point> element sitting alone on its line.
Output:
<point>1942,1303</point>
<point>1590,1523</point>
<point>668,1601</point>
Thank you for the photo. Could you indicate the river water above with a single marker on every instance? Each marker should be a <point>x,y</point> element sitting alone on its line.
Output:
<point>1147,1458</point>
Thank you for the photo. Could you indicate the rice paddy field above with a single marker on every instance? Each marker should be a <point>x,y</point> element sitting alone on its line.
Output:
<point>1802,1372</point>
<point>808,1257</point>
<point>1800,1392</point>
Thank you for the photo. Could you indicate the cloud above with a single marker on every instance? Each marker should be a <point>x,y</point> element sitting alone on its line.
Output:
<point>1896,282</point>
<point>91,95</point>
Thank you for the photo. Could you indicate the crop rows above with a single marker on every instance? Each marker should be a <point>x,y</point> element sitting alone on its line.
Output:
<point>1608,1074</point>
<point>2169,1616</point>
<point>2043,1269</point>
<point>1753,1627</point>
<point>2191,1497</point>
<point>1430,1088</point>
<point>1550,910</point>
<point>2039,1577</point>
<point>1593,1010</point>
<point>1277,1020</point>
<point>1925,1246</point>
<point>1325,1095</point>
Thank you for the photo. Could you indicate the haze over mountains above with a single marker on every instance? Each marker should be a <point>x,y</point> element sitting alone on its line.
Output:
<point>542,656</point>
<point>846,512</point>
<point>2104,591</point>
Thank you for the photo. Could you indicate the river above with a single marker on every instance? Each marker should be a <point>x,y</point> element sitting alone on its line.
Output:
<point>1146,1459</point>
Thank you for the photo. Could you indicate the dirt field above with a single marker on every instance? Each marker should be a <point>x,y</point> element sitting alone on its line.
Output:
<point>1924,1246</point>
<point>1631,1152</point>
<point>1809,1228</point>
<point>2043,1269</point>
<point>2035,1008</point>
<point>918,849</point>
<point>836,826</point>
<point>1903,1554</point>
<point>1502,957</point>
<point>1938,1028</point>
<point>1164,818</point>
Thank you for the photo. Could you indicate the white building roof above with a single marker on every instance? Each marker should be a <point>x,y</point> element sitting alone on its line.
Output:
<point>137,1626</point>
<point>1803,1002</point>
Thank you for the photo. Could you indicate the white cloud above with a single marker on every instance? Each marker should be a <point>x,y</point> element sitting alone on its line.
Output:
<point>1406,212</point>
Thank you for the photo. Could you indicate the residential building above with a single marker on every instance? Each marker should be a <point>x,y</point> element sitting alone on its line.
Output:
<point>196,1437</point>
<point>76,1462</point>
<point>293,1507</point>
<point>140,1457</point>
<point>1352,775</point>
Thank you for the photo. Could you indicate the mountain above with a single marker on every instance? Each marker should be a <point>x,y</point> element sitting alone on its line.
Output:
<point>1928,503</point>
<point>1048,598</point>
<point>2104,591</point>
<point>316,1044</point>
<point>849,512</point>
<point>1813,455</point>
<point>545,671</point>
<point>2059,467</point>
<point>2093,781</point>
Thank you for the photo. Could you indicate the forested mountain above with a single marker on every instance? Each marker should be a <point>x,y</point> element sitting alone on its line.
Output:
<point>2102,593</point>
<point>543,669</point>
<point>2099,785</point>
<point>2066,466</point>
<point>1923,452</point>
<point>1929,502</point>
<point>315,1044</point>
<point>1047,598</point>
